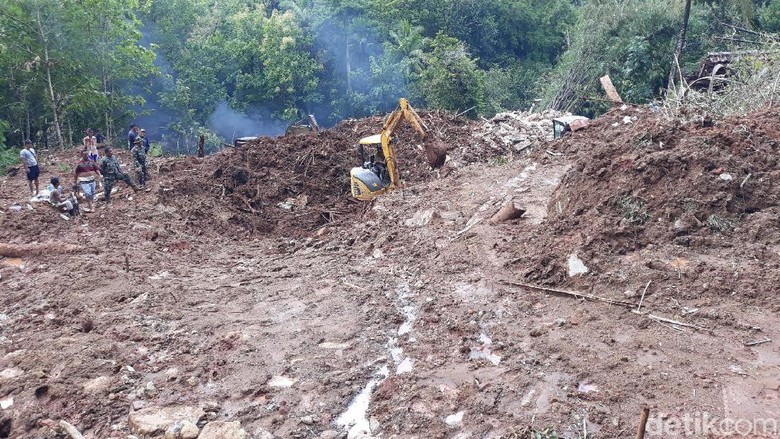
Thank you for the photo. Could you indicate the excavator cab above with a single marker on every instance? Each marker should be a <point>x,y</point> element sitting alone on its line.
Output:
<point>372,177</point>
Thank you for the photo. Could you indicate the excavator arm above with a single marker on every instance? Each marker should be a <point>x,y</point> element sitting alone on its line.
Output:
<point>367,181</point>
<point>405,111</point>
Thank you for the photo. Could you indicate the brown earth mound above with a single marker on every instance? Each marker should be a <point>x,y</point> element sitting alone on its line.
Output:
<point>293,185</point>
<point>640,181</point>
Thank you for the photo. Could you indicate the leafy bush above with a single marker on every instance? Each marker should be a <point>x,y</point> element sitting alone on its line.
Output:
<point>8,156</point>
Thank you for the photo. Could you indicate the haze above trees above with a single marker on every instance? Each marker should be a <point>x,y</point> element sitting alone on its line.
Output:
<point>103,63</point>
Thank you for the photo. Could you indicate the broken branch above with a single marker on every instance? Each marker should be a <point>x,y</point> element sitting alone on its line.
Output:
<point>640,433</point>
<point>675,322</point>
<point>758,342</point>
<point>572,294</point>
<point>643,295</point>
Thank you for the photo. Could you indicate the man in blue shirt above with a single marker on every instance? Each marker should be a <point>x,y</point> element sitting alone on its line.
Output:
<point>131,135</point>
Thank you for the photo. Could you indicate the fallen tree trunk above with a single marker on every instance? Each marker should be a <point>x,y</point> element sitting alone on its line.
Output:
<point>610,90</point>
<point>28,250</point>
<point>201,144</point>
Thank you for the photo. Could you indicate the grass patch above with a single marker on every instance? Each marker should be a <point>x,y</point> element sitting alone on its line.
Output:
<point>500,161</point>
<point>720,225</point>
<point>8,157</point>
<point>547,433</point>
<point>632,209</point>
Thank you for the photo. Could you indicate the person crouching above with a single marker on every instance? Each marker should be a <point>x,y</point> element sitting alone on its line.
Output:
<point>58,199</point>
<point>111,172</point>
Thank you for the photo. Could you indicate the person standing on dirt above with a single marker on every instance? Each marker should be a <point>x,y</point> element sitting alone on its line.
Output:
<point>139,161</point>
<point>109,168</point>
<point>90,144</point>
<point>86,175</point>
<point>145,140</point>
<point>131,136</point>
<point>30,163</point>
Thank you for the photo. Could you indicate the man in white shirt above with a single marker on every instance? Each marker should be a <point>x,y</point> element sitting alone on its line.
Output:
<point>90,144</point>
<point>30,163</point>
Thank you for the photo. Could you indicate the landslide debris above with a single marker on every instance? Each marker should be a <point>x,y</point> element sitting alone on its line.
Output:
<point>639,180</point>
<point>293,185</point>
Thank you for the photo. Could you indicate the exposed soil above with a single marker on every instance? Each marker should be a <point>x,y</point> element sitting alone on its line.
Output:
<point>248,284</point>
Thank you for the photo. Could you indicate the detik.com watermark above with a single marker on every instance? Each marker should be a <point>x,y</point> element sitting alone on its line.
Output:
<point>703,424</point>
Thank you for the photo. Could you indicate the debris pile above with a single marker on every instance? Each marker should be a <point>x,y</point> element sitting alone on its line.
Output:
<point>293,185</point>
<point>516,131</point>
<point>640,181</point>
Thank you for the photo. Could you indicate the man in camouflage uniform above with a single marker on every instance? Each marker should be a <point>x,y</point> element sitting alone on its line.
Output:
<point>139,161</point>
<point>109,168</point>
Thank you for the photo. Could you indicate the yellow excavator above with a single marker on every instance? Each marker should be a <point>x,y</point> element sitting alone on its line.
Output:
<point>379,172</point>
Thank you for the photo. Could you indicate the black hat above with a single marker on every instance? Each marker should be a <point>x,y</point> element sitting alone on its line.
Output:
<point>28,142</point>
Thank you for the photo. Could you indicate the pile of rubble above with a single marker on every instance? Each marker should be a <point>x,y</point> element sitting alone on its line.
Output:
<point>516,131</point>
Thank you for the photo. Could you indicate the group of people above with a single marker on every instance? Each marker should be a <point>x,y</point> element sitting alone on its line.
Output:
<point>91,170</point>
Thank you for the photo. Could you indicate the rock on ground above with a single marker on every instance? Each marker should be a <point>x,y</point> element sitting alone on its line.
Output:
<point>223,430</point>
<point>156,420</point>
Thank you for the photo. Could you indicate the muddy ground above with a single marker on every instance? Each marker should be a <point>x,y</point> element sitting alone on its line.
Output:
<point>248,284</point>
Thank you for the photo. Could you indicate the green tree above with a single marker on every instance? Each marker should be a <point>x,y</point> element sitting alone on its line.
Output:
<point>451,79</point>
<point>74,57</point>
<point>633,42</point>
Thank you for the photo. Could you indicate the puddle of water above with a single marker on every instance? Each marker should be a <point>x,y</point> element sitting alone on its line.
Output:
<point>14,262</point>
<point>524,174</point>
<point>576,266</point>
<point>160,275</point>
<point>753,392</point>
<point>586,387</point>
<point>355,417</point>
<point>406,366</point>
<point>281,382</point>
<point>410,315</point>
<point>454,420</point>
<point>484,352</point>
<point>329,345</point>
<point>541,394</point>
<point>472,293</point>
<point>10,373</point>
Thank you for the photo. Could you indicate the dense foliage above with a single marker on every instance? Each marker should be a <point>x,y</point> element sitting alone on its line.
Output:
<point>232,67</point>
